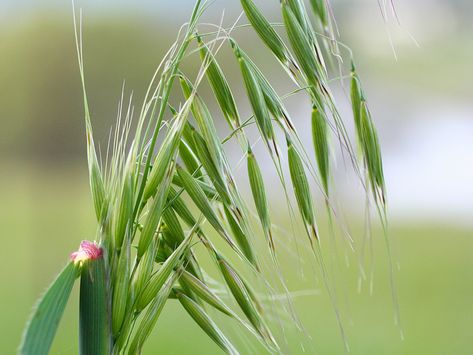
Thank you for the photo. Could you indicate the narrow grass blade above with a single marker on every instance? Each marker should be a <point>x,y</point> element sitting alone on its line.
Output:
<point>42,327</point>
<point>206,323</point>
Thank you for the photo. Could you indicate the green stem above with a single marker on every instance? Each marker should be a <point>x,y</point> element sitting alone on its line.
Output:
<point>95,336</point>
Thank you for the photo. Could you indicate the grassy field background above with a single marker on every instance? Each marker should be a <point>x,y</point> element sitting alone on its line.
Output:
<point>434,280</point>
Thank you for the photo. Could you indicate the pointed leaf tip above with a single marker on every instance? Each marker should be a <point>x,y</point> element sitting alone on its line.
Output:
<point>42,327</point>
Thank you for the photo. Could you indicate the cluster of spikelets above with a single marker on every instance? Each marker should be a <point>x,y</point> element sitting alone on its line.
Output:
<point>147,231</point>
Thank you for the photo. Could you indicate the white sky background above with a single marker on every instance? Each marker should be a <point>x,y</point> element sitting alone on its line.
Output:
<point>429,173</point>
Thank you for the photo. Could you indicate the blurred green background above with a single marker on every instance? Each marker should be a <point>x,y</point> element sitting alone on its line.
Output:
<point>421,103</point>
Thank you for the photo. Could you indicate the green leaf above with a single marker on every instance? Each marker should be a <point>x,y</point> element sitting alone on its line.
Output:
<point>42,327</point>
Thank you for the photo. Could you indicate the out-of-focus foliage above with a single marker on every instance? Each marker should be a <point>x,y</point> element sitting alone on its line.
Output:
<point>40,94</point>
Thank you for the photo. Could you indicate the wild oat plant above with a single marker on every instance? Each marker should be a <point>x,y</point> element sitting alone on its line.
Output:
<point>166,198</point>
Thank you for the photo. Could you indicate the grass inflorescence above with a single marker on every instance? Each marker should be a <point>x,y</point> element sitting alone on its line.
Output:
<point>167,187</point>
